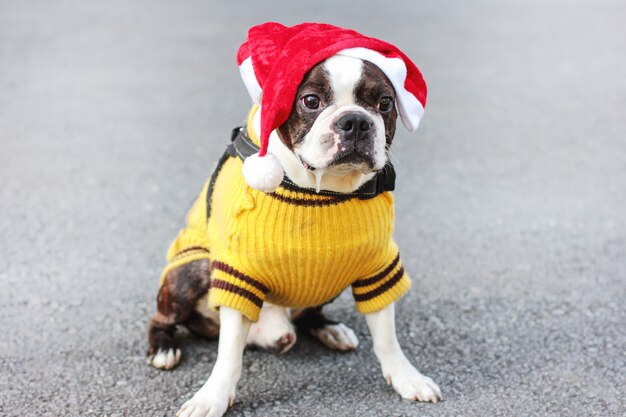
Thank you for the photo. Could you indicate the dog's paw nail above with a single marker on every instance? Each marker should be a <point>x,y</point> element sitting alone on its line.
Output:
<point>165,358</point>
<point>412,385</point>
<point>205,407</point>
<point>424,390</point>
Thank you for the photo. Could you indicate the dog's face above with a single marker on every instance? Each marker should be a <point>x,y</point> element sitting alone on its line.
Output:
<point>343,118</point>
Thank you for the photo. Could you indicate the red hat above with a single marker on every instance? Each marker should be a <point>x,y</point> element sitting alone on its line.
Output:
<point>274,60</point>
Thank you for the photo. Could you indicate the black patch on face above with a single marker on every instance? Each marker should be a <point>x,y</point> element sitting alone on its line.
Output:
<point>301,118</point>
<point>373,86</point>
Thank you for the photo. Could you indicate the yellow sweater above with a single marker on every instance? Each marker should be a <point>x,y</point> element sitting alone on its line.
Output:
<point>291,247</point>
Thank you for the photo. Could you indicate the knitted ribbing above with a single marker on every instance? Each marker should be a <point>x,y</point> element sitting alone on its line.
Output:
<point>291,248</point>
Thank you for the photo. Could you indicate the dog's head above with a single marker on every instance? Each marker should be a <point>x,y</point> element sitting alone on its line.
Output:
<point>343,118</point>
<point>332,97</point>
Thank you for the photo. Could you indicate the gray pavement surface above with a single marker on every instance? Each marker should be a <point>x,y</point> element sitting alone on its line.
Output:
<point>511,206</point>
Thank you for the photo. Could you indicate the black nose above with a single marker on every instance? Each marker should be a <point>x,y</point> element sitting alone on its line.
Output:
<point>352,124</point>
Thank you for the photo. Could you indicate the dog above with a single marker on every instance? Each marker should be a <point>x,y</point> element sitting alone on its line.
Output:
<point>332,147</point>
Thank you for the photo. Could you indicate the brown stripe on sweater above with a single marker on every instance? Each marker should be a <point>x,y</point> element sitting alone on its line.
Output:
<point>239,275</point>
<point>192,248</point>
<point>378,291</point>
<point>289,185</point>
<point>297,201</point>
<point>381,275</point>
<point>227,286</point>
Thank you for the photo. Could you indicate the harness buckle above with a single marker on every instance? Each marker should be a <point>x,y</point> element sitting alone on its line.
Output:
<point>384,180</point>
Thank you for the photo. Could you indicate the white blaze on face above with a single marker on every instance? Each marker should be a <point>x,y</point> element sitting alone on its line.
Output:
<point>345,74</point>
<point>323,142</point>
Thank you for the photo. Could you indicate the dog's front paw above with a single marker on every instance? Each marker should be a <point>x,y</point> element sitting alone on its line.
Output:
<point>205,405</point>
<point>337,336</point>
<point>411,384</point>
<point>165,358</point>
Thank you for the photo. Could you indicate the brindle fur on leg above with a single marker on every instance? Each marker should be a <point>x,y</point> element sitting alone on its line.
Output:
<point>177,297</point>
<point>203,326</point>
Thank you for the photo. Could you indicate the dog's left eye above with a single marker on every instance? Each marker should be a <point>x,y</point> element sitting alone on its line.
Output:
<point>385,104</point>
<point>311,101</point>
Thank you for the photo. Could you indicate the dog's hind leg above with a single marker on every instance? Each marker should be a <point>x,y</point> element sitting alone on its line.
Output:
<point>176,300</point>
<point>274,331</point>
<point>331,333</point>
<point>204,322</point>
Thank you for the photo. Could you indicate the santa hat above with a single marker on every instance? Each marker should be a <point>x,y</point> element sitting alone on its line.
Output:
<point>274,60</point>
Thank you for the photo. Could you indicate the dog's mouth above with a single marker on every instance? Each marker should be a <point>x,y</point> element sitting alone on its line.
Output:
<point>355,159</point>
<point>305,164</point>
<point>352,160</point>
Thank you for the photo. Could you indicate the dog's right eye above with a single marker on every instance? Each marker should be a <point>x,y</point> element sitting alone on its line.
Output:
<point>385,104</point>
<point>311,101</point>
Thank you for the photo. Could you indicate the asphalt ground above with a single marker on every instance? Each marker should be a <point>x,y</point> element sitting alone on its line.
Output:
<point>510,206</point>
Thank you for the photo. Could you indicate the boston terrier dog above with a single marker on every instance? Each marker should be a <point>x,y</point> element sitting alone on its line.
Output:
<point>263,251</point>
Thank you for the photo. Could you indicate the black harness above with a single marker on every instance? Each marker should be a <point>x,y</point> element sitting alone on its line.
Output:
<point>242,147</point>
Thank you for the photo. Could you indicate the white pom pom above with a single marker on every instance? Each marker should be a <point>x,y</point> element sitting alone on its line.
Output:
<point>263,173</point>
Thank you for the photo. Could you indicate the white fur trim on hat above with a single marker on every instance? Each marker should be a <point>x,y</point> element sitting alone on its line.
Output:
<point>249,79</point>
<point>410,108</point>
<point>263,173</point>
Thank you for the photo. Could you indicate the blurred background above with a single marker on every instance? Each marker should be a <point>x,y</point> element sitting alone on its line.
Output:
<point>510,205</point>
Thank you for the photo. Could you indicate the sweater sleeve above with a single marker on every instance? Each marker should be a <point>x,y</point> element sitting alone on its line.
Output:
<point>191,244</point>
<point>376,291</point>
<point>233,288</point>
